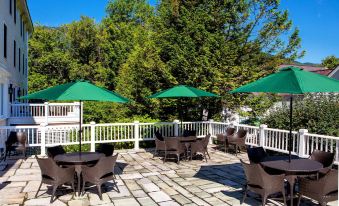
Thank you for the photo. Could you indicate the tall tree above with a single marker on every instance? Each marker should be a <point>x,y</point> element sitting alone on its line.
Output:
<point>330,62</point>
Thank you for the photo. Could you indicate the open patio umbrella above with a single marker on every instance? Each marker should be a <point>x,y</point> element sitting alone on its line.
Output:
<point>291,80</point>
<point>80,90</point>
<point>182,91</point>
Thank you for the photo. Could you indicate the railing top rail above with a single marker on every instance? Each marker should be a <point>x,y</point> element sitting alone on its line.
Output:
<point>42,104</point>
<point>158,123</point>
<point>112,124</point>
<point>20,127</point>
<point>245,125</point>
<point>27,104</point>
<point>281,130</point>
<point>322,136</point>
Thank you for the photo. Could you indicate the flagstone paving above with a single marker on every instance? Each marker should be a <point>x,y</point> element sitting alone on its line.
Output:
<point>142,180</point>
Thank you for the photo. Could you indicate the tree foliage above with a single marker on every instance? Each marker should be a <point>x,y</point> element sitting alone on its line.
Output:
<point>138,50</point>
<point>317,113</point>
<point>330,62</point>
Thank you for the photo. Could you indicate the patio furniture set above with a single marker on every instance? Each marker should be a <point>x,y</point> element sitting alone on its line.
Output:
<point>314,177</point>
<point>189,145</point>
<point>61,168</point>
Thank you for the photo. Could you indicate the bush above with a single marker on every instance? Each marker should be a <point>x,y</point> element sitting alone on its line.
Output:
<point>318,113</point>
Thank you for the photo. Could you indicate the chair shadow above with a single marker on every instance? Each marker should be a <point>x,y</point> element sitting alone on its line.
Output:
<point>119,167</point>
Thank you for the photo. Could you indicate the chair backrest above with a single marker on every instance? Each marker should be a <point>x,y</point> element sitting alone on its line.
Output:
<point>12,138</point>
<point>325,158</point>
<point>230,131</point>
<point>172,143</point>
<point>159,136</point>
<point>253,173</point>
<point>105,148</point>
<point>241,133</point>
<point>49,169</point>
<point>104,166</point>
<point>21,137</point>
<point>256,154</point>
<point>54,151</point>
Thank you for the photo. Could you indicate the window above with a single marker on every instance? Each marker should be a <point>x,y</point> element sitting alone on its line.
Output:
<point>14,53</point>
<point>20,25</point>
<point>10,7</point>
<point>5,41</point>
<point>23,63</point>
<point>2,99</point>
<point>19,59</point>
<point>14,11</point>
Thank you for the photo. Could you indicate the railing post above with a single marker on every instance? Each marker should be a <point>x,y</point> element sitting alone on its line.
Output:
<point>136,135</point>
<point>176,127</point>
<point>43,138</point>
<point>46,104</point>
<point>337,150</point>
<point>210,129</point>
<point>92,136</point>
<point>262,137</point>
<point>302,142</point>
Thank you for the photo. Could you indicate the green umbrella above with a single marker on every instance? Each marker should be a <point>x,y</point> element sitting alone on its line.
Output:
<point>291,80</point>
<point>182,91</point>
<point>77,91</point>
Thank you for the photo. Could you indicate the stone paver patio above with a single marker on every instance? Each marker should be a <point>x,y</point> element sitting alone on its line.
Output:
<point>142,180</point>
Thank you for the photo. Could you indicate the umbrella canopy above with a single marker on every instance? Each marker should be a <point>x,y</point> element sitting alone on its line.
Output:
<point>291,80</point>
<point>80,90</point>
<point>182,91</point>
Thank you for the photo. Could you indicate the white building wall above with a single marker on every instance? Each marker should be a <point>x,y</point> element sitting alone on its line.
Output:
<point>11,75</point>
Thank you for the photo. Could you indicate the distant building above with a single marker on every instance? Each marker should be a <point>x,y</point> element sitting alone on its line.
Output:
<point>315,69</point>
<point>15,29</point>
<point>335,73</point>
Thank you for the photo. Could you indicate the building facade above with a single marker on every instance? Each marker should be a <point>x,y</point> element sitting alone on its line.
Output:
<point>15,29</point>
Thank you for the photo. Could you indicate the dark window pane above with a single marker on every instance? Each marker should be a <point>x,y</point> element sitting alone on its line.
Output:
<point>19,59</point>
<point>5,41</point>
<point>14,53</point>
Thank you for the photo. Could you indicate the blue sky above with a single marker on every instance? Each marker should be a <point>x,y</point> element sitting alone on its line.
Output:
<point>318,20</point>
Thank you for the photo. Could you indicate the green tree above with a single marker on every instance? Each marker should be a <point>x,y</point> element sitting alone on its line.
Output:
<point>317,113</point>
<point>330,62</point>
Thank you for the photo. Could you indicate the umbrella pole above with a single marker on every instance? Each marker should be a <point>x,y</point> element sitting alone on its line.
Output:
<point>290,134</point>
<point>80,129</point>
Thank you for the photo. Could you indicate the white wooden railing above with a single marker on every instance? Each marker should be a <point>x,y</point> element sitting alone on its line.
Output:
<point>32,113</point>
<point>272,139</point>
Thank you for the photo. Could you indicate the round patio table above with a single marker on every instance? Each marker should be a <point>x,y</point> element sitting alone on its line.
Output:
<point>297,167</point>
<point>78,159</point>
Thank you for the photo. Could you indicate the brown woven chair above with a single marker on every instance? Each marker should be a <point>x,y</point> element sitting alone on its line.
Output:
<point>173,147</point>
<point>159,143</point>
<point>54,151</point>
<point>106,148</point>
<point>323,190</point>
<point>237,140</point>
<point>325,158</point>
<point>222,138</point>
<point>262,183</point>
<point>16,141</point>
<point>101,172</point>
<point>54,175</point>
<point>256,154</point>
<point>200,146</point>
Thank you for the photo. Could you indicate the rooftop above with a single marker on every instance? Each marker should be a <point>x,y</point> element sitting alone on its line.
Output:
<point>142,180</point>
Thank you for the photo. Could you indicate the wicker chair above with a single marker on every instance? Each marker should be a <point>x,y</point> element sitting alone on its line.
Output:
<point>256,154</point>
<point>260,182</point>
<point>105,148</point>
<point>16,141</point>
<point>101,172</point>
<point>237,140</point>
<point>222,138</point>
<point>173,147</point>
<point>54,175</point>
<point>325,158</point>
<point>159,143</point>
<point>323,190</point>
<point>200,146</point>
<point>54,151</point>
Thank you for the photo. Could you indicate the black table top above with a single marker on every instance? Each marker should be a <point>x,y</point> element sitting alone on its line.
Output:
<point>78,158</point>
<point>296,166</point>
